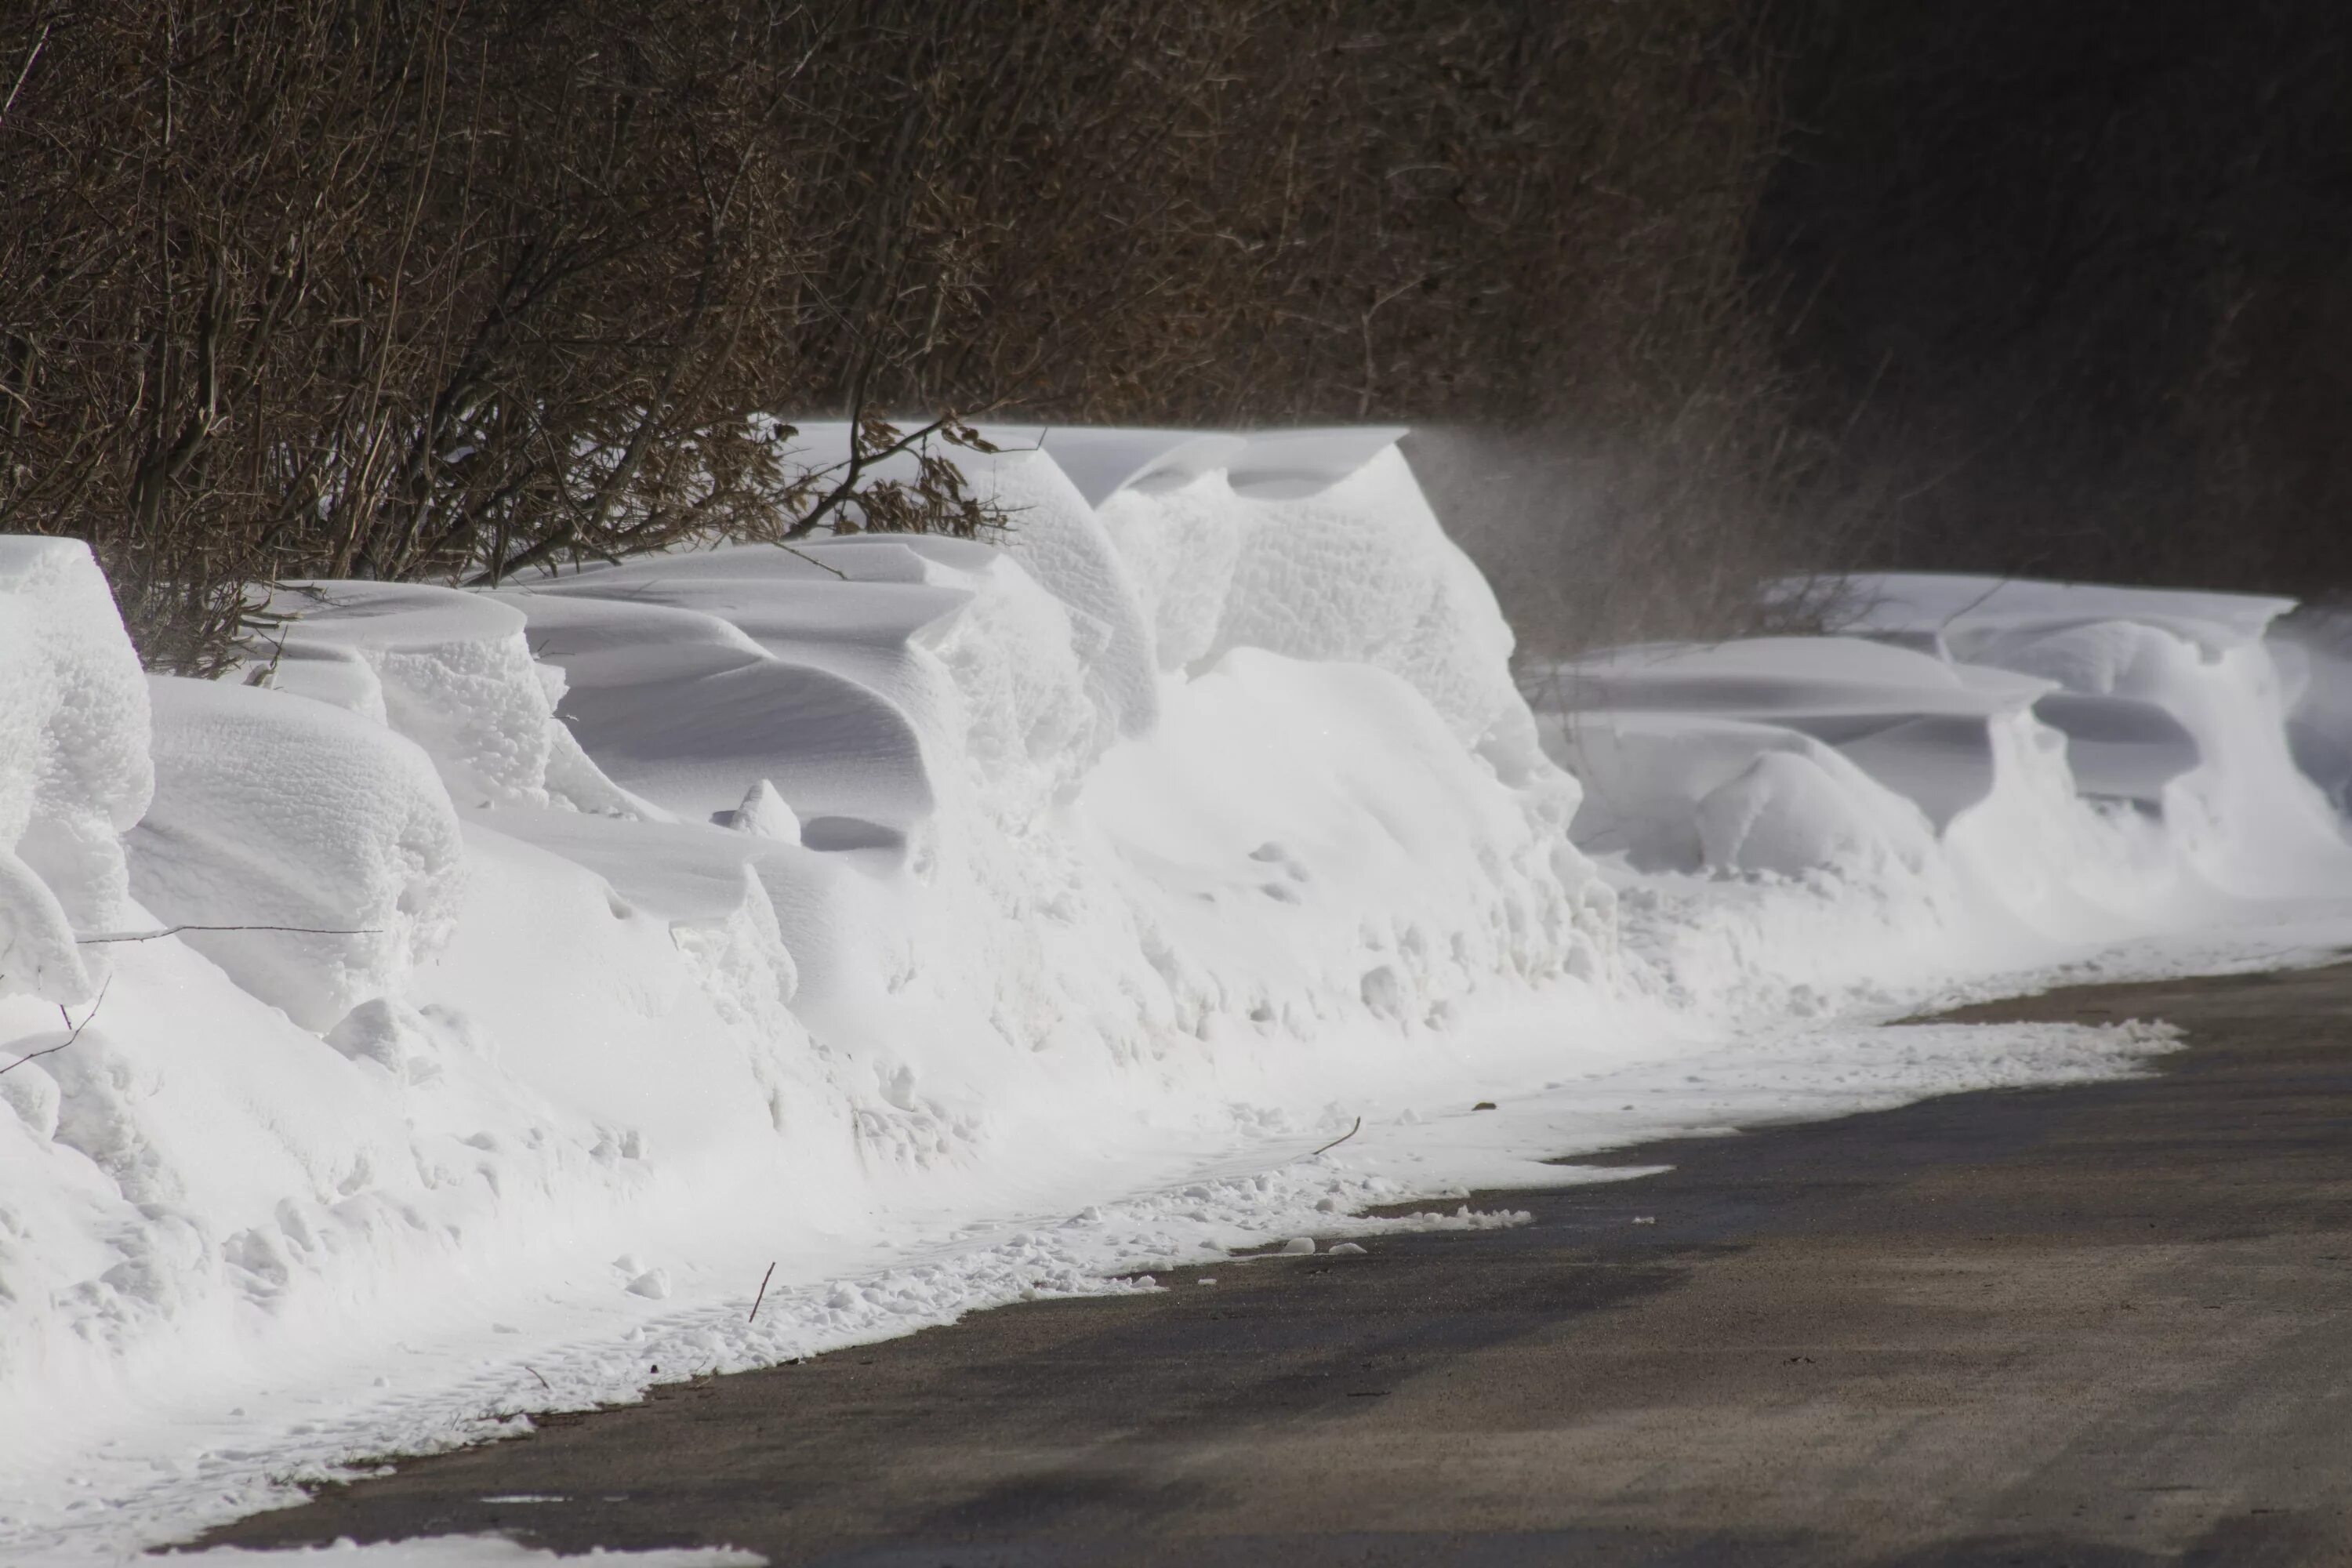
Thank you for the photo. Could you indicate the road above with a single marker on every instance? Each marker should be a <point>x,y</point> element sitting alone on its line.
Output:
<point>2108,1325</point>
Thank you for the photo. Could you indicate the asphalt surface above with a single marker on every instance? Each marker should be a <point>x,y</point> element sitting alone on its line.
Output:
<point>2108,1325</point>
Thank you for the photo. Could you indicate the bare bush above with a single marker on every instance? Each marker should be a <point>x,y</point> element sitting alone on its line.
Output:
<point>453,288</point>
<point>394,289</point>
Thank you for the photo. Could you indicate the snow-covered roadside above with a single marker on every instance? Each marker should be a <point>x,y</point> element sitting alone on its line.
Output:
<point>465,1364</point>
<point>945,924</point>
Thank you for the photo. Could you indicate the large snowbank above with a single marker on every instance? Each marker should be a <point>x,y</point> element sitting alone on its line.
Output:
<point>74,769</point>
<point>1980,768</point>
<point>557,957</point>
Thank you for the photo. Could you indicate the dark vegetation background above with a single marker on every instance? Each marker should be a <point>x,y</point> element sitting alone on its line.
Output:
<point>2073,283</point>
<point>1679,294</point>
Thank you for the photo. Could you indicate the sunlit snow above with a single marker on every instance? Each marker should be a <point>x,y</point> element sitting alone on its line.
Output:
<point>948,923</point>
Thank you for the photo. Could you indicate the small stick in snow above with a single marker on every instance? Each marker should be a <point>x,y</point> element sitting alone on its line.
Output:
<point>820,565</point>
<point>174,930</point>
<point>762,1295</point>
<point>1343,1137</point>
<point>73,1031</point>
<point>542,1381</point>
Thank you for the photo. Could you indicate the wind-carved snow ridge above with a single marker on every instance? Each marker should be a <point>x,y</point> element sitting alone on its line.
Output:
<point>1979,767</point>
<point>494,985</point>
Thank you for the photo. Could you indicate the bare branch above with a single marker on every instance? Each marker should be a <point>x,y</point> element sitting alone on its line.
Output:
<point>174,930</point>
<point>73,1031</point>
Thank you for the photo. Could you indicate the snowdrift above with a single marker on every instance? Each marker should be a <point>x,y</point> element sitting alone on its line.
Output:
<point>1979,769</point>
<point>542,954</point>
<point>462,924</point>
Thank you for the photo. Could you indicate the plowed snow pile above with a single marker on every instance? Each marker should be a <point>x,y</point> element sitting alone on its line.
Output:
<point>455,1012</point>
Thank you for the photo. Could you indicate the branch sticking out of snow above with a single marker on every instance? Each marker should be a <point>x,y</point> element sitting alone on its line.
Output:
<point>73,1032</point>
<point>174,930</point>
<point>1343,1137</point>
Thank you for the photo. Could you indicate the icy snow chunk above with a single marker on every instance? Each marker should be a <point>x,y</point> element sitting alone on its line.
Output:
<point>1298,1246</point>
<point>276,810</point>
<point>74,767</point>
<point>653,1285</point>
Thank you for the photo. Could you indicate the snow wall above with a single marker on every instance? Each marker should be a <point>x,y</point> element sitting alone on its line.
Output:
<point>476,941</point>
<point>836,874</point>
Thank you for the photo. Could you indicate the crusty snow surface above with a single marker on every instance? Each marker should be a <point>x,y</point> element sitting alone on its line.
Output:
<point>946,923</point>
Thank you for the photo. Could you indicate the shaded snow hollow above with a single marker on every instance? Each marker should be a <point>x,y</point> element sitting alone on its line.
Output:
<point>947,924</point>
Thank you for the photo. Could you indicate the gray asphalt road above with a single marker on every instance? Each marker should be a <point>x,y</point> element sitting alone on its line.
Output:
<point>2108,1325</point>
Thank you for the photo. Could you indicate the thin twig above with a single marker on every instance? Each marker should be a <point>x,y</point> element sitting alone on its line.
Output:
<point>762,1295</point>
<point>266,673</point>
<point>74,1035</point>
<point>38,44</point>
<point>820,565</point>
<point>534,1372</point>
<point>1343,1137</point>
<point>174,930</point>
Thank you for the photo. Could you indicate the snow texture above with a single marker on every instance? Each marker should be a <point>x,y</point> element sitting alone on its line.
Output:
<point>281,812</point>
<point>74,766</point>
<point>948,922</point>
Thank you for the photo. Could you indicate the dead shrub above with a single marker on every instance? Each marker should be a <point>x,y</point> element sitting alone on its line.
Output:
<point>453,288</point>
